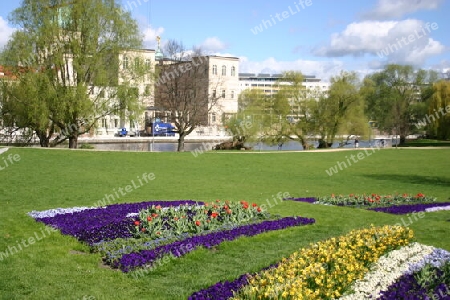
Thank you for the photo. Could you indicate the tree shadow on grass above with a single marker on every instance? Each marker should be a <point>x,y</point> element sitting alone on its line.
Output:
<point>412,179</point>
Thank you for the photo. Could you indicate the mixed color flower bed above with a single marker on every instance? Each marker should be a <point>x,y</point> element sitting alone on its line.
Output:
<point>374,263</point>
<point>136,235</point>
<point>393,204</point>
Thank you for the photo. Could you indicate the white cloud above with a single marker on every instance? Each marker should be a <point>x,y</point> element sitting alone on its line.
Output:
<point>5,32</point>
<point>406,41</point>
<point>388,9</point>
<point>212,44</point>
<point>150,35</point>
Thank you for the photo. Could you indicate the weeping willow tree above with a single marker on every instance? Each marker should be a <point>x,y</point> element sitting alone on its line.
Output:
<point>71,66</point>
<point>437,121</point>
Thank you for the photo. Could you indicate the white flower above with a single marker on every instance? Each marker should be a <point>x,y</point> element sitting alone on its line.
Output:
<point>437,208</point>
<point>57,211</point>
<point>387,270</point>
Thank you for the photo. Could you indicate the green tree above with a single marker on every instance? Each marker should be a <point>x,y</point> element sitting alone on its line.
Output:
<point>181,89</point>
<point>79,48</point>
<point>394,97</point>
<point>437,120</point>
<point>333,111</point>
<point>249,123</point>
<point>296,104</point>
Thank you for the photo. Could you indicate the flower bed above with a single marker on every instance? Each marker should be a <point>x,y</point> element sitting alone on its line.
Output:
<point>405,209</point>
<point>369,200</point>
<point>133,235</point>
<point>354,265</point>
<point>147,257</point>
<point>103,223</point>
<point>393,204</point>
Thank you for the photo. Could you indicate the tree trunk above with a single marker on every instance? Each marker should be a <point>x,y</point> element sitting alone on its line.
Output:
<point>304,143</point>
<point>44,140</point>
<point>402,139</point>
<point>73,142</point>
<point>181,142</point>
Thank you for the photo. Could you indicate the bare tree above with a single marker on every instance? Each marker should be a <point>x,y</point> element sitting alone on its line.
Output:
<point>184,89</point>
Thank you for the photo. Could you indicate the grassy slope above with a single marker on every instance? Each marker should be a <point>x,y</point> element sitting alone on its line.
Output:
<point>44,179</point>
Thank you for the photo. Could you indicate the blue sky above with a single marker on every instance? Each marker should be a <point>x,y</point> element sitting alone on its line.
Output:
<point>316,37</point>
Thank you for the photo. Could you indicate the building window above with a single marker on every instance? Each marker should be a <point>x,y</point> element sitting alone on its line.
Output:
<point>104,124</point>
<point>213,118</point>
<point>223,93</point>
<point>214,94</point>
<point>232,94</point>
<point>136,63</point>
<point>125,62</point>
<point>116,123</point>
<point>224,70</point>
<point>214,70</point>
<point>147,63</point>
<point>233,71</point>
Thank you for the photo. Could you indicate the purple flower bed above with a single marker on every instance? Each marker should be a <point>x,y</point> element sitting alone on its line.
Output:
<point>94,225</point>
<point>307,199</point>
<point>408,208</point>
<point>221,290</point>
<point>131,261</point>
<point>407,287</point>
<point>224,290</point>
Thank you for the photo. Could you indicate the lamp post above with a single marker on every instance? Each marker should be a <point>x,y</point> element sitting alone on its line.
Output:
<point>372,124</point>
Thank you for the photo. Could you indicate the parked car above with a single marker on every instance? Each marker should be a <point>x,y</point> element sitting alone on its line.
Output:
<point>122,132</point>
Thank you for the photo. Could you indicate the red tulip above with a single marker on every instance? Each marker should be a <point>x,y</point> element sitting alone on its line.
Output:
<point>137,223</point>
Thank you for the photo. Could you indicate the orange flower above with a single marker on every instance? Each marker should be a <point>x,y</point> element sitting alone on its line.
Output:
<point>158,206</point>
<point>332,195</point>
<point>143,229</point>
<point>225,207</point>
<point>175,219</point>
<point>258,209</point>
<point>149,218</point>
<point>214,214</point>
<point>154,215</point>
<point>137,223</point>
<point>420,195</point>
<point>217,200</point>
<point>197,223</point>
<point>254,204</point>
<point>229,211</point>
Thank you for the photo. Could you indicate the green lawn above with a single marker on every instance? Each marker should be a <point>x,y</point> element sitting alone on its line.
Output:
<point>58,267</point>
<point>426,143</point>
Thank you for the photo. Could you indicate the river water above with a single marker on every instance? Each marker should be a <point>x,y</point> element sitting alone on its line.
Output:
<point>192,146</point>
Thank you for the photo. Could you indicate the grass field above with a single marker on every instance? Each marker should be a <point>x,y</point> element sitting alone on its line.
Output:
<point>59,267</point>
